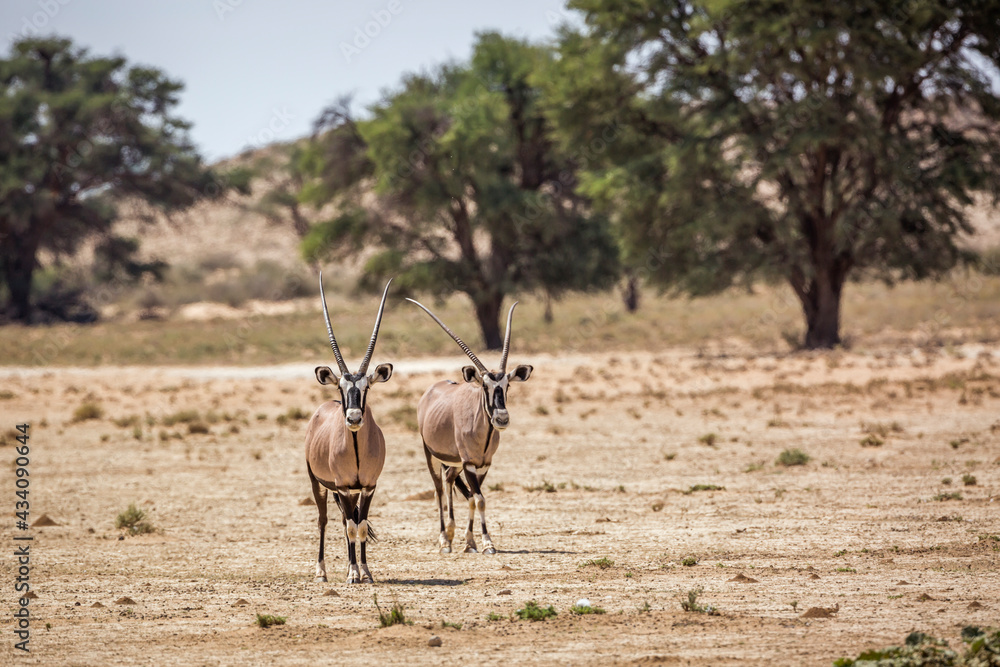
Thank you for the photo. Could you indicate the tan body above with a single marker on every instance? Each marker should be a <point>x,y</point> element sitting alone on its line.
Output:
<point>330,449</point>
<point>454,424</point>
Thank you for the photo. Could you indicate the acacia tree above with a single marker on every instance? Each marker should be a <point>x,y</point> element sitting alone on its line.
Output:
<point>456,183</point>
<point>808,140</point>
<point>78,134</point>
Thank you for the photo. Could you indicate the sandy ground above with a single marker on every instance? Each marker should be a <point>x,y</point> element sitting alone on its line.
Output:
<point>617,440</point>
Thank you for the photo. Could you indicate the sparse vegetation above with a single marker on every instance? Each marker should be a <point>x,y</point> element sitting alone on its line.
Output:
<point>793,457</point>
<point>689,561</point>
<point>198,428</point>
<point>133,521</point>
<point>494,616</point>
<point>405,416</point>
<point>603,562</point>
<point>395,615</point>
<point>267,620</point>
<point>954,495</point>
<point>582,610</point>
<point>708,439</point>
<point>872,440</point>
<point>181,417</point>
<point>546,486</point>
<point>87,411</point>
<point>982,649</point>
<point>703,487</point>
<point>689,602</point>
<point>449,624</point>
<point>968,480</point>
<point>533,612</point>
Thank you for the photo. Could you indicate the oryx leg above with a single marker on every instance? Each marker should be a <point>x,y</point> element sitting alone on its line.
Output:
<point>476,501</point>
<point>348,503</point>
<point>365,532</point>
<point>470,540</point>
<point>319,495</point>
<point>450,474</point>
<point>435,467</point>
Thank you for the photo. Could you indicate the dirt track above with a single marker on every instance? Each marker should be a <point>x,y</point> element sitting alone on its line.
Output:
<point>619,439</point>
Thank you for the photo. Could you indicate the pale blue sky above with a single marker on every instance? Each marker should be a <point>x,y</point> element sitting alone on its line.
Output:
<point>261,70</point>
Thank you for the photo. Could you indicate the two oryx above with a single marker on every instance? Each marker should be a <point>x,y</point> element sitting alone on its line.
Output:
<point>459,425</point>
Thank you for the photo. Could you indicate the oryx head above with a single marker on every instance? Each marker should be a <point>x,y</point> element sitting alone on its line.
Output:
<point>494,384</point>
<point>353,386</point>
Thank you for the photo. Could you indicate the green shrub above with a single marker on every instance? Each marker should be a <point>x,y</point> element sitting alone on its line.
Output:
<point>603,562</point>
<point>585,609</point>
<point>793,457</point>
<point>395,615</point>
<point>133,520</point>
<point>691,603</point>
<point>532,612</point>
<point>922,650</point>
<point>267,620</point>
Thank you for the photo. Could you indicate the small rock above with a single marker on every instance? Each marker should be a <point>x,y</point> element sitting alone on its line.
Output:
<point>423,495</point>
<point>241,603</point>
<point>97,605</point>
<point>507,567</point>
<point>974,605</point>
<point>307,501</point>
<point>903,582</point>
<point>331,593</point>
<point>924,597</point>
<point>505,591</point>
<point>44,520</point>
<point>814,576</point>
<point>125,600</point>
<point>743,579</point>
<point>583,602</point>
<point>31,595</point>
<point>434,641</point>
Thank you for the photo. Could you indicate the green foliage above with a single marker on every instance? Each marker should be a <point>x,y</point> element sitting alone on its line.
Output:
<point>494,616</point>
<point>582,610</point>
<point>922,650</point>
<point>532,612</point>
<point>689,561</point>
<point>689,602</point>
<point>603,562</point>
<point>472,195</point>
<point>133,521</point>
<point>267,620</point>
<point>793,457</point>
<point>805,141</point>
<point>395,615</point>
<point>80,134</point>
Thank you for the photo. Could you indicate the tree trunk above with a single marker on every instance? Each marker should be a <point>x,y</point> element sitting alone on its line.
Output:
<point>18,264</point>
<point>821,307</point>
<point>488,314</point>
<point>548,308</point>
<point>630,294</point>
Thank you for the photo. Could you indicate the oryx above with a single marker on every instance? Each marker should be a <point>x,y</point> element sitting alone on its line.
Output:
<point>460,427</point>
<point>345,449</point>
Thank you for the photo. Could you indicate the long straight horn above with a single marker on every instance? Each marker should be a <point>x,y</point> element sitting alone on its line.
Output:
<point>465,348</point>
<point>329,330</point>
<point>378,322</point>
<point>506,340</point>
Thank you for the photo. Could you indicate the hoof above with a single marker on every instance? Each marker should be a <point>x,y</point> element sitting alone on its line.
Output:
<point>489,551</point>
<point>471,550</point>
<point>320,579</point>
<point>367,579</point>
<point>445,550</point>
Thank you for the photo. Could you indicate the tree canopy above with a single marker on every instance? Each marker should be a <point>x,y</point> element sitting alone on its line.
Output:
<point>804,140</point>
<point>79,134</point>
<point>454,179</point>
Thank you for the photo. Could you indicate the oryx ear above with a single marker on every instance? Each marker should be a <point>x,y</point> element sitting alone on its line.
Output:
<point>470,374</point>
<point>382,373</point>
<point>520,374</point>
<point>326,376</point>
